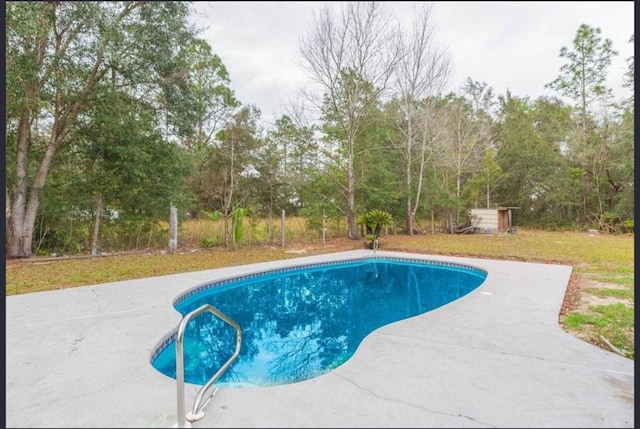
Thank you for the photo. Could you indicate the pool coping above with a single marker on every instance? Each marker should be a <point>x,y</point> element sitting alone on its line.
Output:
<point>493,358</point>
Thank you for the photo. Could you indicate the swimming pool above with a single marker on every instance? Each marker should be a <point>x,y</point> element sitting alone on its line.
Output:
<point>301,322</point>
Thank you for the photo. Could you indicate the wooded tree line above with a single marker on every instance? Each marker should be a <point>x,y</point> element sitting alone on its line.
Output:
<point>116,110</point>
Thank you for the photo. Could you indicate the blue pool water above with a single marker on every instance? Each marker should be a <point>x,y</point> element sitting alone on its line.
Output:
<point>299,323</point>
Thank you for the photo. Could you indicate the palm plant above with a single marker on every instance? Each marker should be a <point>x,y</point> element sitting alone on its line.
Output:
<point>373,221</point>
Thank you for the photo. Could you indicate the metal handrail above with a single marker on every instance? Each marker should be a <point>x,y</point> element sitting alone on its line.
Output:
<point>197,413</point>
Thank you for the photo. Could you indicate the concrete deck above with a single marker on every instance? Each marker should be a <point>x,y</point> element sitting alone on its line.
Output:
<point>494,358</point>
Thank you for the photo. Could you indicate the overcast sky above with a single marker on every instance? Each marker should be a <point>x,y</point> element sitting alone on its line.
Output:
<point>511,46</point>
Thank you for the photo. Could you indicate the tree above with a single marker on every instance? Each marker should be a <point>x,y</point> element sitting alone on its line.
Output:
<point>468,134</point>
<point>352,60</point>
<point>421,73</point>
<point>197,103</point>
<point>126,165</point>
<point>228,162</point>
<point>380,182</point>
<point>199,96</point>
<point>536,177</point>
<point>287,156</point>
<point>57,53</point>
<point>486,180</point>
<point>621,170</point>
<point>629,76</point>
<point>582,80</point>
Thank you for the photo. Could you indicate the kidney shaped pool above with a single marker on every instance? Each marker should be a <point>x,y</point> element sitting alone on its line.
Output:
<point>298,323</point>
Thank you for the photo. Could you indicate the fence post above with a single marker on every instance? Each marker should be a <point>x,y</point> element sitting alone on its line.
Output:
<point>324,227</point>
<point>282,227</point>
<point>173,229</point>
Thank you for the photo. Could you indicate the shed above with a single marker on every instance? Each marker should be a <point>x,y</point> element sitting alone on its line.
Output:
<point>492,221</point>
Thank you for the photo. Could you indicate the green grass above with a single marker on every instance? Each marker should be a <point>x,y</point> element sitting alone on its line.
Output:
<point>614,322</point>
<point>614,293</point>
<point>619,280</point>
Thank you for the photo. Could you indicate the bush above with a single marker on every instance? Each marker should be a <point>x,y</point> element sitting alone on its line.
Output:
<point>373,221</point>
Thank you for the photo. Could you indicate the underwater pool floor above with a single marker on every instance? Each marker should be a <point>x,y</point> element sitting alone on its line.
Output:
<point>494,358</point>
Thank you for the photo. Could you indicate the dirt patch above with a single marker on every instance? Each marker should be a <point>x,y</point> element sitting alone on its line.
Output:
<point>587,298</point>
<point>572,295</point>
<point>298,251</point>
<point>578,297</point>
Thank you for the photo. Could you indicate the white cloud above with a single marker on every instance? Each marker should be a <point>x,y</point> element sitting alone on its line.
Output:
<point>511,46</point>
<point>516,45</point>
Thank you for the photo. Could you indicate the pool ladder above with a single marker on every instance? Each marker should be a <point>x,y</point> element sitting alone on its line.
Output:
<point>185,419</point>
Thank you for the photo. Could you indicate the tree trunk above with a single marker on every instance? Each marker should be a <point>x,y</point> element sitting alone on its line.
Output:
<point>488,196</point>
<point>408,167</point>
<point>433,223</point>
<point>7,211</point>
<point>23,211</point>
<point>16,234</point>
<point>410,211</point>
<point>226,230</point>
<point>409,217</point>
<point>96,226</point>
<point>351,212</point>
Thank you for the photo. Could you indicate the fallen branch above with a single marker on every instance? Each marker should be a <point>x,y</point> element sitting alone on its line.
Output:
<point>612,347</point>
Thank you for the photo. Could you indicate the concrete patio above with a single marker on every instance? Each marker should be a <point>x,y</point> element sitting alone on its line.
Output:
<point>496,357</point>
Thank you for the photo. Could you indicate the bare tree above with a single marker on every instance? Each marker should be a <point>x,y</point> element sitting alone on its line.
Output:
<point>352,59</point>
<point>468,134</point>
<point>422,72</point>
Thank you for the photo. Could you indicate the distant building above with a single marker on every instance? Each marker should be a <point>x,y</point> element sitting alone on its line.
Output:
<point>492,221</point>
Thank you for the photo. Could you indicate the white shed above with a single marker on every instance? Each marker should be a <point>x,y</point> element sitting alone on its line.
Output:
<point>492,221</point>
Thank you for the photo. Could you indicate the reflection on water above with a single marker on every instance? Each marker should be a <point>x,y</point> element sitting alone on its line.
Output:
<point>299,324</point>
